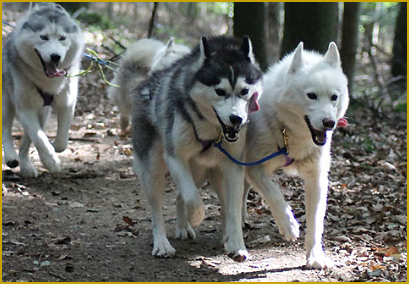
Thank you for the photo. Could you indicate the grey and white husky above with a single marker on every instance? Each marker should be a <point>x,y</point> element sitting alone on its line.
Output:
<point>141,58</point>
<point>305,99</point>
<point>46,45</point>
<point>178,114</point>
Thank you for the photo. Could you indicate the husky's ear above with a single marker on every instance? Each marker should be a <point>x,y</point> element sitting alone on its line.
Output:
<point>204,51</point>
<point>33,5</point>
<point>170,43</point>
<point>297,58</point>
<point>332,55</point>
<point>247,49</point>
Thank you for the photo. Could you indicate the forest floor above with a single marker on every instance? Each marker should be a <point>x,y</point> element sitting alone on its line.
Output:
<point>91,222</point>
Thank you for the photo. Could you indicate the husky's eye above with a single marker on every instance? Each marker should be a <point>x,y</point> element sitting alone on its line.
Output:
<point>62,38</point>
<point>244,92</point>
<point>44,37</point>
<point>334,97</point>
<point>312,96</point>
<point>220,92</point>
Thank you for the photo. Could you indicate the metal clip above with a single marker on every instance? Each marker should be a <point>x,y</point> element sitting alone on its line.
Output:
<point>219,140</point>
<point>285,138</point>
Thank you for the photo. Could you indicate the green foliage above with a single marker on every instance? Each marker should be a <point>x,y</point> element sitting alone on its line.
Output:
<point>219,8</point>
<point>400,107</point>
<point>368,145</point>
<point>95,19</point>
<point>383,13</point>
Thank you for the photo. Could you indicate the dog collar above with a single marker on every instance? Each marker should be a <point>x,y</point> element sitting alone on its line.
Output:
<point>288,160</point>
<point>47,97</point>
<point>281,151</point>
<point>206,144</point>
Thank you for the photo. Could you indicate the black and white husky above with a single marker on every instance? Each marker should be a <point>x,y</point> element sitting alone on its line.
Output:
<point>178,114</point>
<point>45,45</point>
<point>141,58</point>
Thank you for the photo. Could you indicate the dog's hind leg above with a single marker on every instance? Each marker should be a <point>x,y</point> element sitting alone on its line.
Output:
<point>151,170</point>
<point>9,112</point>
<point>316,187</point>
<point>244,214</point>
<point>123,123</point>
<point>233,190</point>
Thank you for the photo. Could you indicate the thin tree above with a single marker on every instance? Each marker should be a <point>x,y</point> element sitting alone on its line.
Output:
<point>153,19</point>
<point>399,58</point>
<point>349,40</point>
<point>274,28</point>
<point>249,20</point>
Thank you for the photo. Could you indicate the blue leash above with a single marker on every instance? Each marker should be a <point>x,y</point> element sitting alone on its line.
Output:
<point>282,151</point>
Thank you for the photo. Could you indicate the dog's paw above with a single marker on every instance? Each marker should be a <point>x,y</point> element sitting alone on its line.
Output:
<point>163,248</point>
<point>287,224</point>
<point>185,233</point>
<point>12,163</point>
<point>239,256</point>
<point>235,248</point>
<point>317,259</point>
<point>195,212</point>
<point>290,229</point>
<point>59,146</point>
<point>27,170</point>
<point>52,164</point>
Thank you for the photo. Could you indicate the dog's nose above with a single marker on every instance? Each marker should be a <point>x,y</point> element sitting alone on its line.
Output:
<point>55,58</point>
<point>328,123</point>
<point>235,120</point>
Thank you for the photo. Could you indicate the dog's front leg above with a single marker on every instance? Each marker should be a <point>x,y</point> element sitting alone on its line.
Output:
<point>281,210</point>
<point>233,190</point>
<point>33,128</point>
<point>10,155</point>
<point>64,107</point>
<point>193,204</point>
<point>316,187</point>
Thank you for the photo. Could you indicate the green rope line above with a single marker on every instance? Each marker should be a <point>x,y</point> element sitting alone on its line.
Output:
<point>96,58</point>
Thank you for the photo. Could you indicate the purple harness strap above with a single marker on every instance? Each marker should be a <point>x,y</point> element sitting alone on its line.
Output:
<point>47,98</point>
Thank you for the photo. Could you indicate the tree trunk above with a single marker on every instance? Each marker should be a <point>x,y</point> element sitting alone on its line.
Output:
<point>71,7</point>
<point>249,20</point>
<point>315,24</point>
<point>399,43</point>
<point>349,40</point>
<point>273,41</point>
<point>153,19</point>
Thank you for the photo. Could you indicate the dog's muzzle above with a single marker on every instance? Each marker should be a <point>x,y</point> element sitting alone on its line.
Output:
<point>231,133</point>
<point>319,137</point>
<point>50,68</point>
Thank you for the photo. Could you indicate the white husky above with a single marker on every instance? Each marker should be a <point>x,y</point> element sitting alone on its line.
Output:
<point>305,96</point>
<point>45,45</point>
<point>139,61</point>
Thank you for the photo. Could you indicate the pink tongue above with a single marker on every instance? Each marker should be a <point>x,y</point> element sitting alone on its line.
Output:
<point>52,71</point>
<point>342,122</point>
<point>254,103</point>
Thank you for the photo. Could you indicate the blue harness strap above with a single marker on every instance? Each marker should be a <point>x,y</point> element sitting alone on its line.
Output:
<point>282,151</point>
